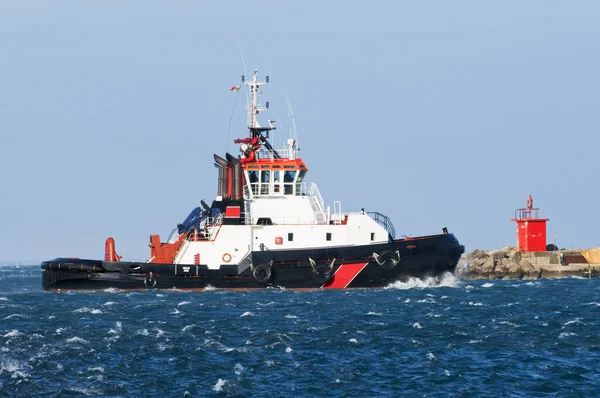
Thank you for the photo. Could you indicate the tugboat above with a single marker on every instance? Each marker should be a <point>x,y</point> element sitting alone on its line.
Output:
<point>267,227</point>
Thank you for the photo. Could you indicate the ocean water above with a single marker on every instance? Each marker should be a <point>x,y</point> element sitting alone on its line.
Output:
<point>433,338</point>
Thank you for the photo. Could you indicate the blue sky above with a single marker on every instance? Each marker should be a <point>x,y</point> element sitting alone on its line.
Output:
<point>434,113</point>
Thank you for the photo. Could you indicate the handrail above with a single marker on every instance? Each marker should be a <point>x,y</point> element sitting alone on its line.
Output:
<point>526,213</point>
<point>302,189</point>
<point>315,220</point>
<point>174,236</point>
<point>264,153</point>
<point>311,189</point>
<point>215,227</point>
<point>384,221</point>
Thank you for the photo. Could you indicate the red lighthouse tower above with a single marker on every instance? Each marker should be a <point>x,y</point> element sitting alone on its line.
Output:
<point>531,230</point>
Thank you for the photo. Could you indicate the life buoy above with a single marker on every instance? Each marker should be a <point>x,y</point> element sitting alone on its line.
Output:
<point>150,281</point>
<point>226,257</point>
<point>387,259</point>
<point>262,273</point>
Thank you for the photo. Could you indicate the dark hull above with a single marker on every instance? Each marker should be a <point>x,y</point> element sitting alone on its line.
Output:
<point>354,267</point>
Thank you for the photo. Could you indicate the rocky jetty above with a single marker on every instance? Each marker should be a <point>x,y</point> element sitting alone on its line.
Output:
<point>509,263</point>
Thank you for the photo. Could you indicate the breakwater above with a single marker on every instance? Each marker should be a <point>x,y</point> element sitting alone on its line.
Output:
<point>509,263</point>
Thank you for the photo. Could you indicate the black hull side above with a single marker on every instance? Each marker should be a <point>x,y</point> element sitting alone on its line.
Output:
<point>354,267</point>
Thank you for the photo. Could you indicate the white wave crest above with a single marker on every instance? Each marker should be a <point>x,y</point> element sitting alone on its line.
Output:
<point>417,325</point>
<point>219,385</point>
<point>574,321</point>
<point>210,288</point>
<point>14,316</point>
<point>353,340</point>
<point>563,335</point>
<point>247,313</point>
<point>13,367</point>
<point>13,333</point>
<point>238,369</point>
<point>77,340</point>
<point>188,327</point>
<point>110,303</point>
<point>487,285</point>
<point>87,309</point>
<point>184,303</point>
<point>97,369</point>
<point>288,350</point>
<point>446,280</point>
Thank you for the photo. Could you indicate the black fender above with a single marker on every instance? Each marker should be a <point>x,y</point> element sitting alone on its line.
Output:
<point>262,273</point>
<point>387,259</point>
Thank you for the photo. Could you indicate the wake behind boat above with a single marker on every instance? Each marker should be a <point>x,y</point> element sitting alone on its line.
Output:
<point>268,226</point>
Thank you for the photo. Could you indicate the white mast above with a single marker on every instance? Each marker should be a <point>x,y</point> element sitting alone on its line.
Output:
<point>254,102</point>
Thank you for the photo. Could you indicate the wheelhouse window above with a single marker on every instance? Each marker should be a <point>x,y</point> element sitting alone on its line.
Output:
<point>372,235</point>
<point>265,178</point>
<point>299,182</point>
<point>253,181</point>
<point>290,237</point>
<point>276,181</point>
<point>328,236</point>
<point>288,181</point>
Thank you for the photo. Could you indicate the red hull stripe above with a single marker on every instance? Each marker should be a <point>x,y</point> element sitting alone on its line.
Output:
<point>344,275</point>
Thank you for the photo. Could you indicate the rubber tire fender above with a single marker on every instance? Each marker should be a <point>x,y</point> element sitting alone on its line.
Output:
<point>262,273</point>
<point>386,261</point>
<point>150,281</point>
<point>322,273</point>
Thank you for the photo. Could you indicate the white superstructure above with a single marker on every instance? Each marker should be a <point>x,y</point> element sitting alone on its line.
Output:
<point>265,203</point>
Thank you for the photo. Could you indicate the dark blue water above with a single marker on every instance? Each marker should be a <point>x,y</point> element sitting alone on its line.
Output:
<point>463,338</point>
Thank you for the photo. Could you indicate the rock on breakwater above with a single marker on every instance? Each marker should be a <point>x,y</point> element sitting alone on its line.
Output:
<point>509,263</point>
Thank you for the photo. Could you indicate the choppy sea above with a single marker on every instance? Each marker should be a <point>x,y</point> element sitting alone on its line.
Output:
<point>432,338</point>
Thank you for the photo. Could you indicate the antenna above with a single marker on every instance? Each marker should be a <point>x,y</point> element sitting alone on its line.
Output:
<point>236,98</point>
<point>293,130</point>
<point>242,56</point>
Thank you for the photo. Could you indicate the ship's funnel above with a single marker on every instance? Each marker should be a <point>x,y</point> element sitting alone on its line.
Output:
<point>221,164</point>
<point>236,180</point>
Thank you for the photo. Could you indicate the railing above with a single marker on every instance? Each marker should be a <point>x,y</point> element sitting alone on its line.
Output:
<point>174,236</point>
<point>215,226</point>
<point>256,189</point>
<point>247,212</point>
<point>526,213</point>
<point>297,220</point>
<point>311,189</point>
<point>384,221</point>
<point>264,153</point>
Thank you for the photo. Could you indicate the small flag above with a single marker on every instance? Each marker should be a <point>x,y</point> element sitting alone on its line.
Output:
<point>235,88</point>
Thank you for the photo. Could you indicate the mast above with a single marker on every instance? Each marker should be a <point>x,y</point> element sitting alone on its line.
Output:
<point>254,107</point>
